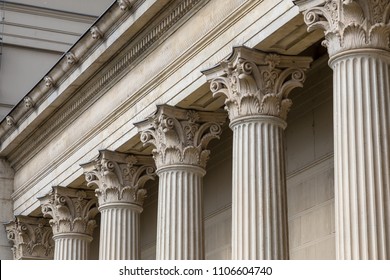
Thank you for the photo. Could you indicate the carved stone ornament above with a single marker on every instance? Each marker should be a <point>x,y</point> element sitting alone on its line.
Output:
<point>70,58</point>
<point>257,83</point>
<point>71,210</point>
<point>96,33</point>
<point>48,81</point>
<point>180,136</point>
<point>119,177</point>
<point>10,121</point>
<point>28,102</point>
<point>125,4</point>
<point>351,24</point>
<point>32,238</point>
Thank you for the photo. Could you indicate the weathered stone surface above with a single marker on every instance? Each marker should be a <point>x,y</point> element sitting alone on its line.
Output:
<point>32,238</point>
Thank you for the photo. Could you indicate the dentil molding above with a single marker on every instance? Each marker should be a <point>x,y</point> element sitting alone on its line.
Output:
<point>119,177</point>
<point>32,238</point>
<point>70,210</point>
<point>351,24</point>
<point>257,83</point>
<point>180,136</point>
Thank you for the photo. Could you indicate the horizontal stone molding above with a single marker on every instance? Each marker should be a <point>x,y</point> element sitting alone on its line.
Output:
<point>93,90</point>
<point>60,72</point>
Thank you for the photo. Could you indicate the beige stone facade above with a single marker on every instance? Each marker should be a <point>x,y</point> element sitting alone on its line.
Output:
<point>206,129</point>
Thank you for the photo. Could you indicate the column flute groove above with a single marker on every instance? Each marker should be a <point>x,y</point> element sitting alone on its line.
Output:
<point>363,217</point>
<point>262,193</point>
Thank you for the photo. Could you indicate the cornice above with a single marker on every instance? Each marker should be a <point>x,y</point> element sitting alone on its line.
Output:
<point>40,11</point>
<point>140,46</point>
<point>81,50</point>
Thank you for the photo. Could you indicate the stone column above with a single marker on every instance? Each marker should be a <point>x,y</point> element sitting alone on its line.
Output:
<point>256,86</point>
<point>72,212</point>
<point>6,205</point>
<point>32,238</point>
<point>120,179</point>
<point>357,39</point>
<point>180,138</point>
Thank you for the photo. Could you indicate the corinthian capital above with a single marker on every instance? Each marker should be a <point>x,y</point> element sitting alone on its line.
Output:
<point>351,24</point>
<point>180,136</point>
<point>32,238</point>
<point>70,210</point>
<point>119,177</point>
<point>257,83</point>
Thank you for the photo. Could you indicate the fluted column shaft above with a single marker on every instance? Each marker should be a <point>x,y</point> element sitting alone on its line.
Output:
<point>362,162</point>
<point>180,138</point>
<point>259,206</point>
<point>357,38</point>
<point>120,231</point>
<point>180,213</point>
<point>72,246</point>
<point>256,86</point>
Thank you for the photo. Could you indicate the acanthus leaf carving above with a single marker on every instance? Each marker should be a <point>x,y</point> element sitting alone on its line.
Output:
<point>257,83</point>
<point>32,238</point>
<point>70,210</point>
<point>352,24</point>
<point>119,177</point>
<point>180,136</point>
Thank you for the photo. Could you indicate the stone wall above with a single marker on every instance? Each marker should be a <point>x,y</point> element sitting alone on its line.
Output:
<point>6,188</point>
